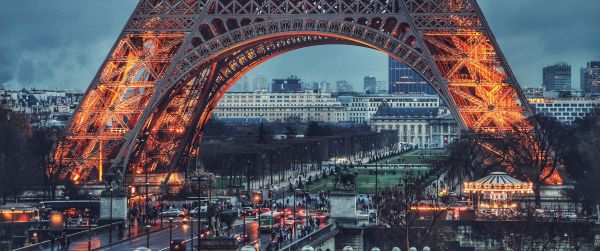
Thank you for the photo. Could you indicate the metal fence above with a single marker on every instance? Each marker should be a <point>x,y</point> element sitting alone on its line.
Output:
<point>73,236</point>
<point>314,238</point>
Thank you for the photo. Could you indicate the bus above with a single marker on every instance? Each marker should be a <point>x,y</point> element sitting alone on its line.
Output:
<point>270,221</point>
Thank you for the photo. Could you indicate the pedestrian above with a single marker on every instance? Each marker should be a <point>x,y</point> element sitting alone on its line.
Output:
<point>67,242</point>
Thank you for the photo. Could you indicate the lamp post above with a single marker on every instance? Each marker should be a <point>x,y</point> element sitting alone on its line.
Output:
<point>376,178</point>
<point>170,232</point>
<point>146,200</point>
<point>306,196</point>
<point>294,212</point>
<point>89,230</point>
<point>199,222</point>
<point>192,228</point>
<point>148,235</point>
<point>244,228</point>
<point>128,215</point>
<point>248,175</point>
<point>110,217</point>
<point>12,226</point>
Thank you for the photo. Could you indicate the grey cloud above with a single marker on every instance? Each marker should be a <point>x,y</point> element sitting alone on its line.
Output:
<point>61,43</point>
<point>536,33</point>
<point>53,44</point>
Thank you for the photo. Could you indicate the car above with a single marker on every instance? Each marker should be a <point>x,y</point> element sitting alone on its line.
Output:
<point>172,213</point>
<point>177,245</point>
<point>247,211</point>
<point>570,216</point>
<point>290,220</point>
<point>320,214</point>
<point>194,212</point>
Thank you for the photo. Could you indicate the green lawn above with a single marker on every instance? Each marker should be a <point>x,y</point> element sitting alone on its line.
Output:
<point>366,181</point>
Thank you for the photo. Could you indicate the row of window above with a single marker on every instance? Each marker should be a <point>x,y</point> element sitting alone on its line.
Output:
<point>566,105</point>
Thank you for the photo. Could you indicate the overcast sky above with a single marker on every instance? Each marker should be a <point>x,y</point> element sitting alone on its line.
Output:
<point>61,43</point>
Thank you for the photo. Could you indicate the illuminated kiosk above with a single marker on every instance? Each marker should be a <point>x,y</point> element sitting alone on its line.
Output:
<point>496,191</point>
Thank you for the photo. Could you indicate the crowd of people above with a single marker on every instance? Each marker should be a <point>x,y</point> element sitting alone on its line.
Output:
<point>286,235</point>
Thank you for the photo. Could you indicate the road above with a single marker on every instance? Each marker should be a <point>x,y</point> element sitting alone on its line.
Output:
<point>159,239</point>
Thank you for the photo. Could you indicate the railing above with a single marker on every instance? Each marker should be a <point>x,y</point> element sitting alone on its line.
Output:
<point>73,236</point>
<point>314,238</point>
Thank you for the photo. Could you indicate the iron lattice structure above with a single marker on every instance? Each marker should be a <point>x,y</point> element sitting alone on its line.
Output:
<point>146,109</point>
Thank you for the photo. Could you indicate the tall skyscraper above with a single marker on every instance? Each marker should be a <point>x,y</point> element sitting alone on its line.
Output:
<point>382,87</point>
<point>291,84</point>
<point>403,80</point>
<point>260,83</point>
<point>557,77</point>
<point>342,86</point>
<point>590,79</point>
<point>325,87</point>
<point>242,85</point>
<point>369,85</point>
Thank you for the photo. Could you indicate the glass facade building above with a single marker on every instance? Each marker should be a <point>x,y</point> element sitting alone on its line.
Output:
<point>403,80</point>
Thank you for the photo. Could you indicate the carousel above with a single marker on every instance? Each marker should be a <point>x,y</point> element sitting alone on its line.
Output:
<point>497,192</point>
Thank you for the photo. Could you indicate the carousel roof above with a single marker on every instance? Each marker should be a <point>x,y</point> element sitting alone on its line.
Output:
<point>498,178</point>
<point>498,181</point>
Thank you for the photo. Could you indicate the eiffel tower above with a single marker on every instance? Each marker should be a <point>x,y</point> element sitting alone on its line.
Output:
<point>147,107</point>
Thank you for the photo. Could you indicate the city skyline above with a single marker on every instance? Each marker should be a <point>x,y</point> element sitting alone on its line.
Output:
<point>61,44</point>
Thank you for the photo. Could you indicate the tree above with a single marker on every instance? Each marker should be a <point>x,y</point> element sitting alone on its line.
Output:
<point>314,129</point>
<point>16,169</point>
<point>535,152</point>
<point>41,146</point>
<point>409,227</point>
<point>467,158</point>
<point>263,133</point>
<point>581,161</point>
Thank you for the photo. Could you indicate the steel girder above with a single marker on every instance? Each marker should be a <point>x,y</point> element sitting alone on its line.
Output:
<point>152,120</point>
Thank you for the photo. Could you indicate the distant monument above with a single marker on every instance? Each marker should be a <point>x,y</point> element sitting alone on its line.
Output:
<point>343,197</point>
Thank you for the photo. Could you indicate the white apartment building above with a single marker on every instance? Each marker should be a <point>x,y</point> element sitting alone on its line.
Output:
<point>43,107</point>
<point>362,108</point>
<point>274,107</point>
<point>423,127</point>
<point>566,110</point>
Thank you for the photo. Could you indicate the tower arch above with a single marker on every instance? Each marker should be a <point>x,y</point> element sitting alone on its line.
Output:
<point>175,58</point>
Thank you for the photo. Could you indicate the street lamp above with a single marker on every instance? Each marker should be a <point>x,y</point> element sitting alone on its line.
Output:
<point>192,227</point>
<point>306,196</point>
<point>248,175</point>
<point>294,222</point>
<point>148,235</point>
<point>128,215</point>
<point>110,217</point>
<point>146,199</point>
<point>171,233</point>
<point>244,228</point>
<point>87,210</point>
<point>376,177</point>
<point>12,225</point>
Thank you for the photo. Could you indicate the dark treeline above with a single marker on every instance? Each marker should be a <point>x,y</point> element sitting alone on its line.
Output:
<point>25,153</point>
<point>233,151</point>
